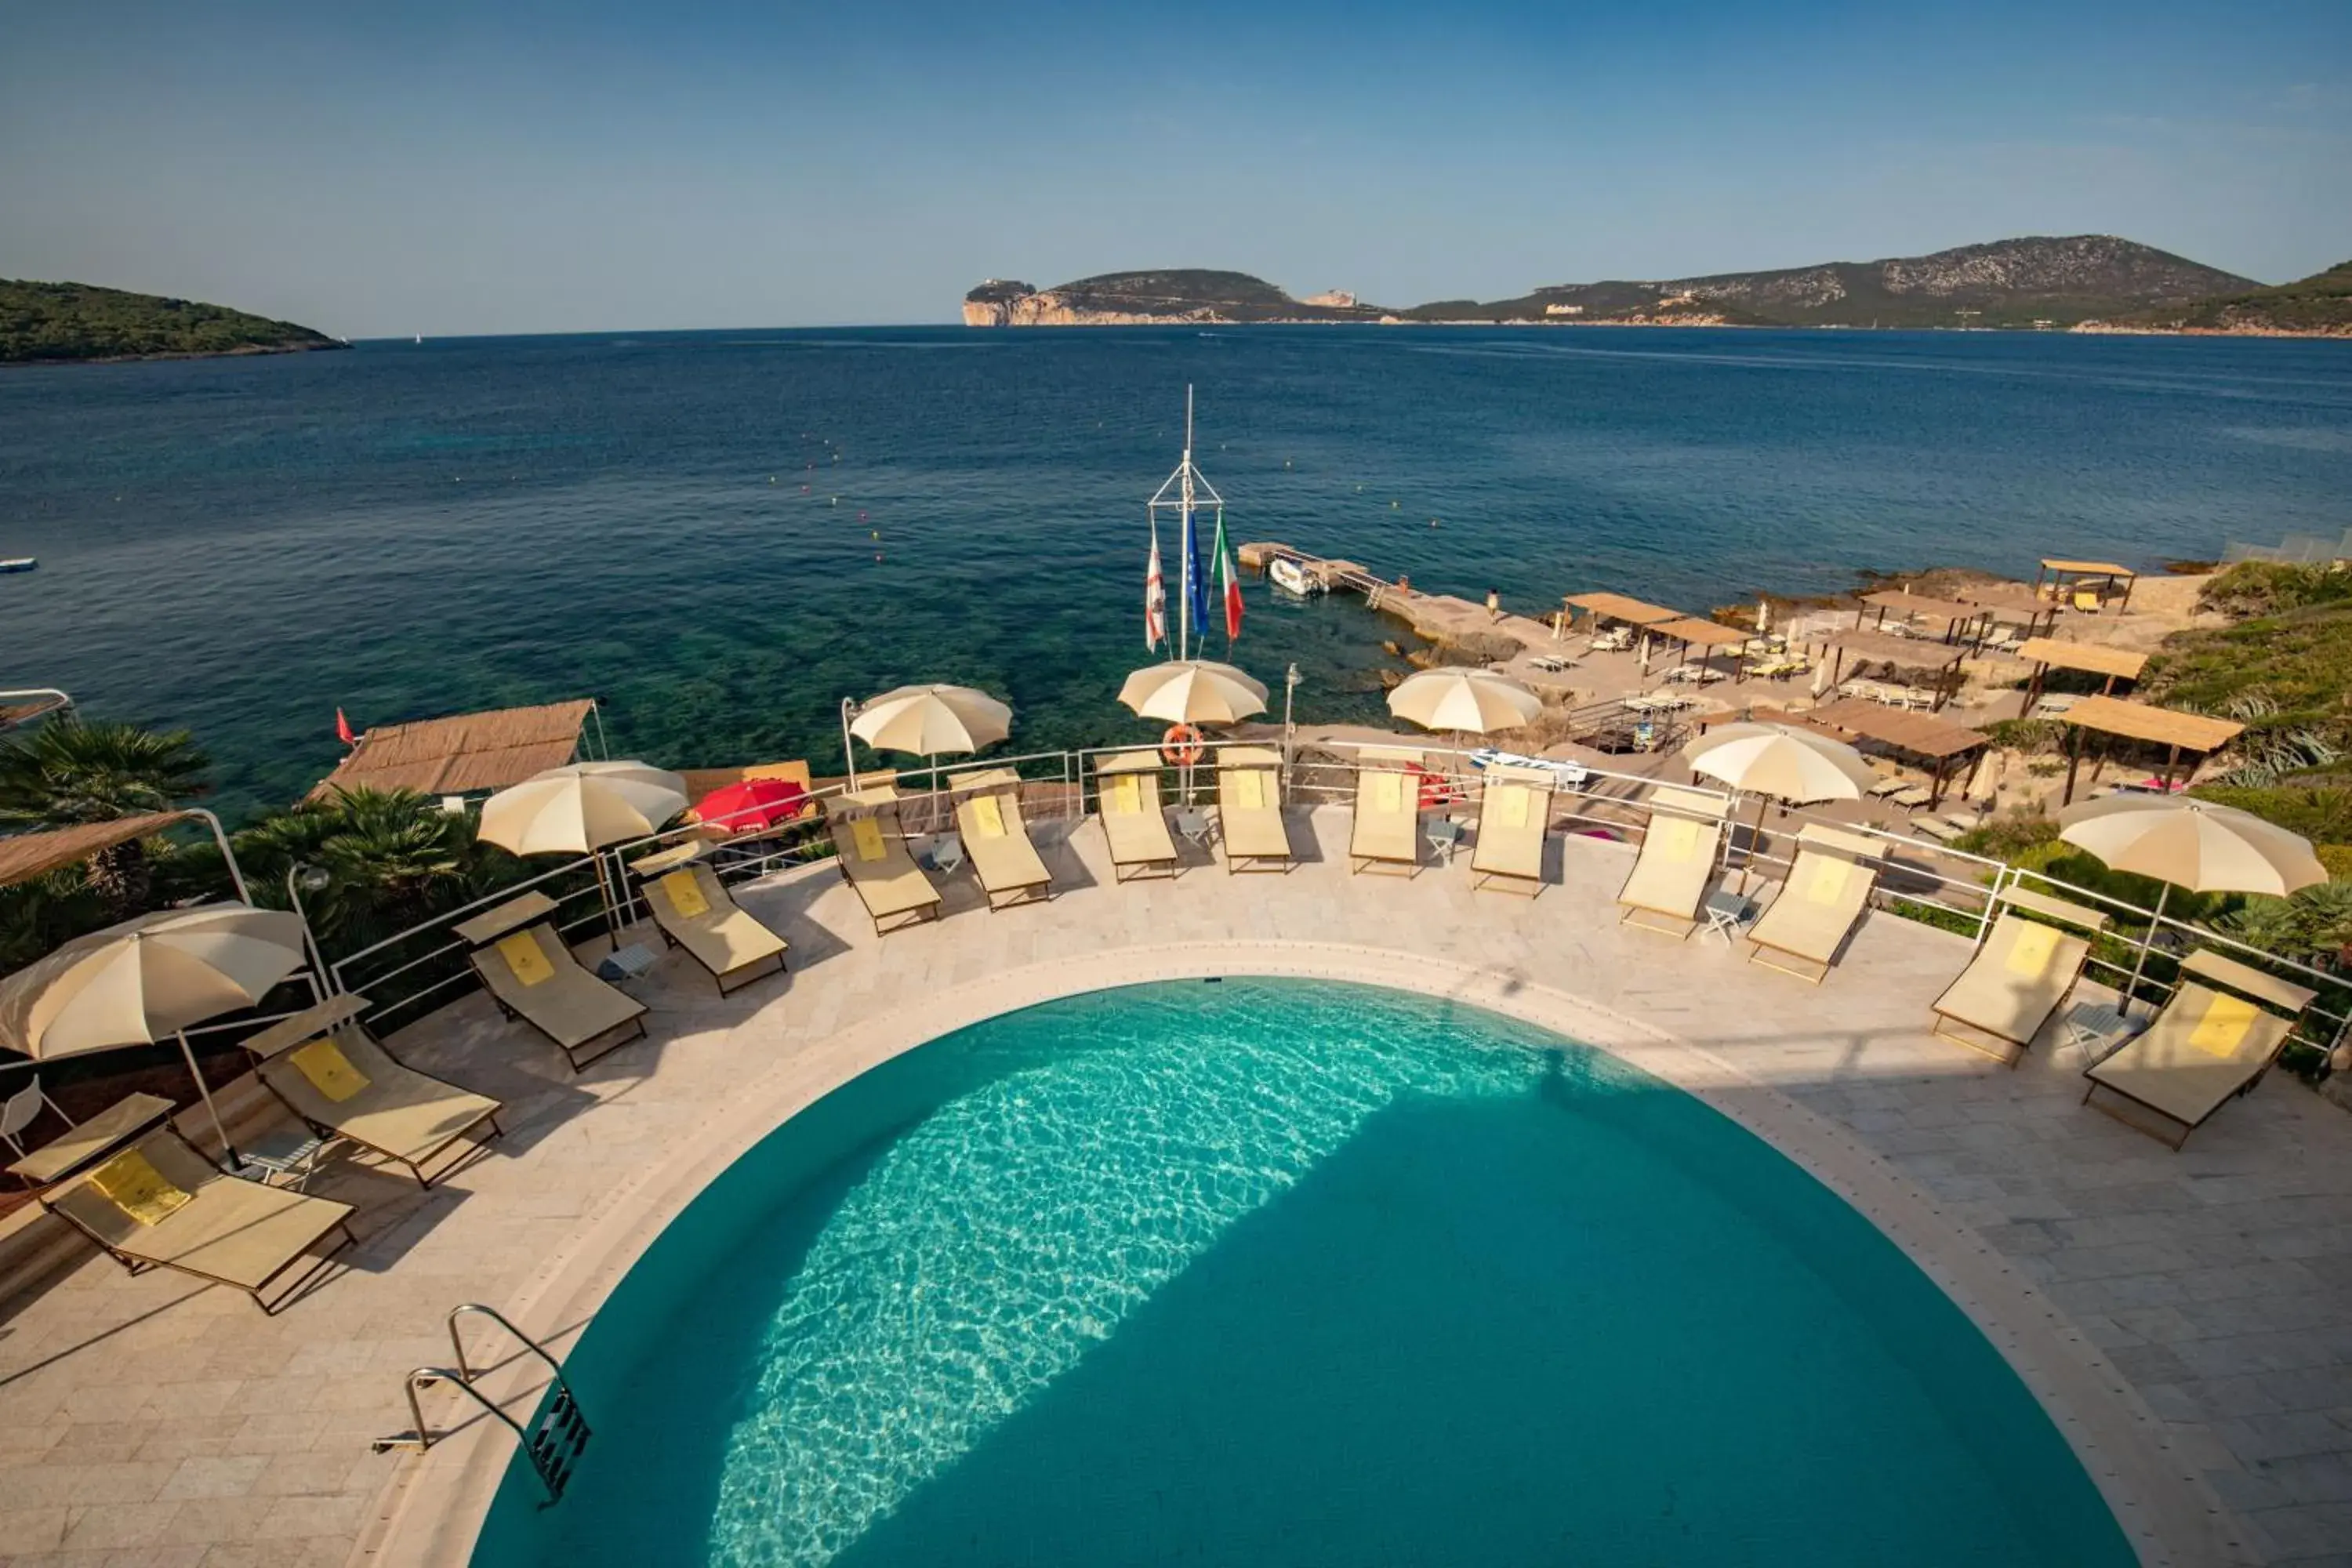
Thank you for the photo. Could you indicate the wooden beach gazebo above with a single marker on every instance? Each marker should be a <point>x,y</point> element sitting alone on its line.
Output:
<point>2070,581</point>
<point>2012,601</point>
<point>2046,654</point>
<point>466,753</point>
<point>1915,653</point>
<point>1957,620</point>
<point>1943,748</point>
<point>2192,734</point>
<point>1603,606</point>
<point>1690,632</point>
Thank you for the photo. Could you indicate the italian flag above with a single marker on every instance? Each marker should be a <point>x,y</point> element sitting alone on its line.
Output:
<point>1227,582</point>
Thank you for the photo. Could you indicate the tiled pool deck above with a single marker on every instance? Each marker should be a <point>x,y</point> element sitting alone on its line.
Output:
<point>2188,1317</point>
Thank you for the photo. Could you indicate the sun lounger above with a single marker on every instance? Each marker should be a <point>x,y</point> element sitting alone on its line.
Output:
<point>996,840</point>
<point>159,1203</point>
<point>1678,851</point>
<point>1828,888</point>
<point>1249,810</point>
<point>1514,814</point>
<point>2205,1048</point>
<point>1909,796</point>
<point>1386,831</point>
<point>1941,829</point>
<point>1127,788</point>
<point>694,911</point>
<point>872,853</point>
<point>1892,784</point>
<point>532,976</point>
<point>325,1066</point>
<point>2020,977</point>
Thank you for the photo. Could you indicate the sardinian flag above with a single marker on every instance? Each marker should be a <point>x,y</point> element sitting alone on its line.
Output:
<point>1228,584</point>
<point>1155,600</point>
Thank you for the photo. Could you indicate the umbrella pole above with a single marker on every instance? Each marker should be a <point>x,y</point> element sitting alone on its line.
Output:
<point>1755,840</point>
<point>228,1149</point>
<point>2163,892</point>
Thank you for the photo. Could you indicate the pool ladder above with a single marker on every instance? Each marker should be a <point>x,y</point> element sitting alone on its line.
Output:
<point>557,1436</point>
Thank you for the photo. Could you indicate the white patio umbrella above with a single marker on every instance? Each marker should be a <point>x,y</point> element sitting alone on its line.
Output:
<point>1193,691</point>
<point>584,808</point>
<point>581,808</point>
<point>930,720</point>
<point>2192,844</point>
<point>1763,616</point>
<point>1474,701</point>
<point>147,980</point>
<point>1794,766</point>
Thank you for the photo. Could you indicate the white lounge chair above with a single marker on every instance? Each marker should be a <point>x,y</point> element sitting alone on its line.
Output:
<point>871,849</point>
<point>531,974</point>
<point>996,840</point>
<point>1135,822</point>
<point>1514,815</point>
<point>1249,810</point>
<point>2205,1048</point>
<point>1677,859</point>
<point>1386,831</point>
<point>1828,888</point>
<point>2020,977</point>
<point>694,912</point>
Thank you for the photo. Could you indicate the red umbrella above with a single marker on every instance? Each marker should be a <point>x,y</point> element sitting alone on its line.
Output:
<point>752,806</point>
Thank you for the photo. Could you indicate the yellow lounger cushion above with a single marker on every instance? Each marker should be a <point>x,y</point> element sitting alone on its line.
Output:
<point>2223,1027</point>
<point>1511,806</point>
<point>131,1183</point>
<point>1249,791</point>
<point>866,833</point>
<point>988,817</point>
<point>1388,792</point>
<point>1126,796</point>
<point>1828,881</point>
<point>329,1071</point>
<point>522,955</point>
<point>2031,953</point>
<point>1678,840</point>
<point>685,894</point>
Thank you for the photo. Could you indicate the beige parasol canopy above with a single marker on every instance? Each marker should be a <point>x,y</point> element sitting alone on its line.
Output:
<point>931,719</point>
<point>2192,844</point>
<point>580,808</point>
<point>1477,702</point>
<point>1781,761</point>
<point>1193,691</point>
<point>148,979</point>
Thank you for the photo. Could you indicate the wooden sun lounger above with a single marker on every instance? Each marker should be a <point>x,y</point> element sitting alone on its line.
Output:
<point>996,840</point>
<point>1819,905</point>
<point>2020,977</point>
<point>2205,1048</point>
<point>1134,821</point>
<point>329,1069</point>
<point>551,991</point>
<point>1249,810</point>
<point>872,853</point>
<point>1677,859</point>
<point>1514,814</point>
<point>694,912</point>
<point>1386,831</point>
<point>159,1203</point>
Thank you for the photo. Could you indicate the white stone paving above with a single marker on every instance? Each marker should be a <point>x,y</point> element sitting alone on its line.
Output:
<point>2188,1317</point>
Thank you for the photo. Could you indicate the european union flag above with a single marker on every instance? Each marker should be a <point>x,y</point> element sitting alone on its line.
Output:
<point>1196,581</point>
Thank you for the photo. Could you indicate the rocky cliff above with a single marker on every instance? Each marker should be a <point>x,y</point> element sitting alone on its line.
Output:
<point>1145,299</point>
<point>2319,306</point>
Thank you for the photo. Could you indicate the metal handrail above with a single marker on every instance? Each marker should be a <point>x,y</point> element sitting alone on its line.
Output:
<point>553,1442</point>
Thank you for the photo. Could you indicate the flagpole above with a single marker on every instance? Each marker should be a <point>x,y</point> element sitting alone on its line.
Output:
<point>1184,482</point>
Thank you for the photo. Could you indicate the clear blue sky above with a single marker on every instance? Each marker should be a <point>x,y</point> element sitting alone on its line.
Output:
<point>485,167</point>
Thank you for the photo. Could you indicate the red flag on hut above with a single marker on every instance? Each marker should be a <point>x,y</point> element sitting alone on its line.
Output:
<point>344,730</point>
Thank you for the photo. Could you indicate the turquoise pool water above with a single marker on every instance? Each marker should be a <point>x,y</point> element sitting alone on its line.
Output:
<point>1274,1272</point>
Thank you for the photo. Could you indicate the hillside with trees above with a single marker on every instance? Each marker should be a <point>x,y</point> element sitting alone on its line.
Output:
<point>65,322</point>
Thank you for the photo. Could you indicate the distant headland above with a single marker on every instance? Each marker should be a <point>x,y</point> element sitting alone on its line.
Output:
<point>58,324</point>
<point>2081,282</point>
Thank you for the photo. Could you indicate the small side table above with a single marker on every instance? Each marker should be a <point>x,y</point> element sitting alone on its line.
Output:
<point>2099,1029</point>
<point>1444,835</point>
<point>290,1154</point>
<point>1194,825</point>
<point>1726,913</point>
<point>945,853</point>
<point>629,963</point>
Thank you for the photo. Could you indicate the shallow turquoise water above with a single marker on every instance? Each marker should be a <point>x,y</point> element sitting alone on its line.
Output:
<point>1259,1272</point>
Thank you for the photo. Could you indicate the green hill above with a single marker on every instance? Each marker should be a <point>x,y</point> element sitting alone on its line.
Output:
<point>56,322</point>
<point>2320,303</point>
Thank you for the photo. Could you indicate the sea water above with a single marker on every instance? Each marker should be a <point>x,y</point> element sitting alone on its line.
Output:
<point>720,534</point>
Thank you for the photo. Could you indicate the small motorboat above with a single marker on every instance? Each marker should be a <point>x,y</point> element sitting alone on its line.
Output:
<point>1290,576</point>
<point>19,564</point>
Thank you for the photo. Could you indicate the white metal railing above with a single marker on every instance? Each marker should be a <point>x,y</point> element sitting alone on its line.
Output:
<point>1915,875</point>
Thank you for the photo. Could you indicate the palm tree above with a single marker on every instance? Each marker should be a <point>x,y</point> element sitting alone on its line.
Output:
<point>393,858</point>
<point>67,772</point>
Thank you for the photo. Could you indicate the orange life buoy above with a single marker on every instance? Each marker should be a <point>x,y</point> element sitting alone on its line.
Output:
<point>1181,746</point>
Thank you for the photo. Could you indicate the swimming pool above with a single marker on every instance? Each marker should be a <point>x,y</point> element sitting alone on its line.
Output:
<point>1277,1271</point>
